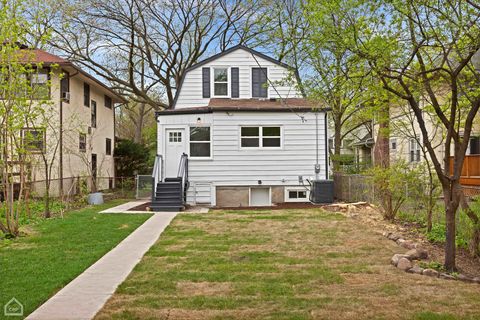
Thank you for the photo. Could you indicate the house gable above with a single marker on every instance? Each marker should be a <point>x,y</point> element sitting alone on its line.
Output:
<point>243,69</point>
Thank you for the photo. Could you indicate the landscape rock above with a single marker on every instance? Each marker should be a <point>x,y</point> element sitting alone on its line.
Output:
<point>416,270</point>
<point>386,234</point>
<point>408,244</point>
<point>476,279</point>
<point>396,258</point>
<point>464,278</point>
<point>394,236</point>
<point>400,241</point>
<point>404,264</point>
<point>430,273</point>
<point>416,254</point>
<point>446,276</point>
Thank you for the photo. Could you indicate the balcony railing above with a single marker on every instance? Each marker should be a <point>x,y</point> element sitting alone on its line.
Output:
<point>470,175</point>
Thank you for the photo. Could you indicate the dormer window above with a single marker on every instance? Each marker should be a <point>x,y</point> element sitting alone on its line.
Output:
<point>220,82</point>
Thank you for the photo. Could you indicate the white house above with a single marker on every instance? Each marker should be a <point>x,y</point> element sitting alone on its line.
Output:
<point>239,134</point>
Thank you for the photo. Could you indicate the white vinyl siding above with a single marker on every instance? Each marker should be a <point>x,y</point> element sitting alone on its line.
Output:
<point>191,91</point>
<point>231,165</point>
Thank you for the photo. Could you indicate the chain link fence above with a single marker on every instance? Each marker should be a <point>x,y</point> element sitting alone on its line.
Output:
<point>112,187</point>
<point>357,187</point>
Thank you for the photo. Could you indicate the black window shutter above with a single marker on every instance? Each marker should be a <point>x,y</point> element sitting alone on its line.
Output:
<point>475,145</point>
<point>206,82</point>
<point>235,83</point>
<point>259,81</point>
<point>86,95</point>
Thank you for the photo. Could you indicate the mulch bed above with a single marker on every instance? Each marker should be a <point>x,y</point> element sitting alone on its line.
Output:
<point>280,206</point>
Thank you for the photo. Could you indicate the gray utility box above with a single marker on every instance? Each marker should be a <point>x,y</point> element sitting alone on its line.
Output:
<point>321,191</point>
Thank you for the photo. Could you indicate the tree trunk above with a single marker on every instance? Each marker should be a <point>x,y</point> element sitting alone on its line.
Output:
<point>139,124</point>
<point>47,194</point>
<point>452,201</point>
<point>337,143</point>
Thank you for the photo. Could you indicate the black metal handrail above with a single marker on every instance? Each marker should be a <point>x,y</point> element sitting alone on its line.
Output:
<point>183,174</point>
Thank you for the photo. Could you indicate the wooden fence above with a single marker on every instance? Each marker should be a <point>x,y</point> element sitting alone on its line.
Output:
<point>353,188</point>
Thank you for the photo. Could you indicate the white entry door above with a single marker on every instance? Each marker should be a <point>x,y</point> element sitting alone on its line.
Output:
<point>174,147</point>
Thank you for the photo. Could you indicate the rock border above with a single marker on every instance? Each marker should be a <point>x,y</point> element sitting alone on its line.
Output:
<point>406,261</point>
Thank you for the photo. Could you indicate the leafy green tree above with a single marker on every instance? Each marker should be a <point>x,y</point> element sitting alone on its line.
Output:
<point>422,52</point>
<point>131,158</point>
<point>19,108</point>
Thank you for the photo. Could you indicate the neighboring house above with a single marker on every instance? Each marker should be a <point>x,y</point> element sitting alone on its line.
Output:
<point>241,134</point>
<point>406,142</point>
<point>357,146</point>
<point>81,132</point>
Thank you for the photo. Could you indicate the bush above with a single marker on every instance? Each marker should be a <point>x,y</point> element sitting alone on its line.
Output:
<point>131,158</point>
<point>391,184</point>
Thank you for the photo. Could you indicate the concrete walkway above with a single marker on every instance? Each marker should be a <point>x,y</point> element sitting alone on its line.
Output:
<point>85,295</point>
<point>123,208</point>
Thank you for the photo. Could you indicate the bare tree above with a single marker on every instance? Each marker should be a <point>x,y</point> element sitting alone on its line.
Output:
<point>143,47</point>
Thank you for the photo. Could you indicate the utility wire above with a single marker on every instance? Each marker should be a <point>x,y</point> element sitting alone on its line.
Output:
<point>282,100</point>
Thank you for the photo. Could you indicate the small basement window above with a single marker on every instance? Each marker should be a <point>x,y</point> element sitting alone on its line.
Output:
<point>296,195</point>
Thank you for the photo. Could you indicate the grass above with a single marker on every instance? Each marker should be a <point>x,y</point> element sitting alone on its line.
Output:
<point>284,264</point>
<point>55,251</point>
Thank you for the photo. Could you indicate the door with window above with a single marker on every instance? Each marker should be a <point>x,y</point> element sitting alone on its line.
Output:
<point>174,147</point>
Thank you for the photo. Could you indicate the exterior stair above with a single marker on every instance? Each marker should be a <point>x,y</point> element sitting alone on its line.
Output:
<point>168,196</point>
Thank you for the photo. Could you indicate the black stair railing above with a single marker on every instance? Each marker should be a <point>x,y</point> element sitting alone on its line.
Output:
<point>157,174</point>
<point>183,175</point>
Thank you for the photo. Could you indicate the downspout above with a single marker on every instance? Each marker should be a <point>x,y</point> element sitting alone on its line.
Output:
<point>61,146</point>
<point>317,164</point>
<point>326,147</point>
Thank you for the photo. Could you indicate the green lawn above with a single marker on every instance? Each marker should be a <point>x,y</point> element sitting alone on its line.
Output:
<point>55,251</point>
<point>285,264</point>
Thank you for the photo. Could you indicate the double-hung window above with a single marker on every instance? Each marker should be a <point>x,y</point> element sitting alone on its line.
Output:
<point>414,150</point>
<point>82,142</point>
<point>39,84</point>
<point>220,82</point>
<point>200,142</point>
<point>260,137</point>
<point>34,140</point>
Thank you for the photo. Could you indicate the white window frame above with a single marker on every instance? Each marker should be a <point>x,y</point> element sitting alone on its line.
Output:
<point>260,137</point>
<point>251,82</point>
<point>415,147</point>
<point>297,189</point>
<point>210,141</point>
<point>212,76</point>
<point>392,141</point>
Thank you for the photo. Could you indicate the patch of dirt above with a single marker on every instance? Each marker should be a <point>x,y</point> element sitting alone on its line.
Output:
<point>371,215</point>
<point>204,288</point>
<point>280,206</point>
